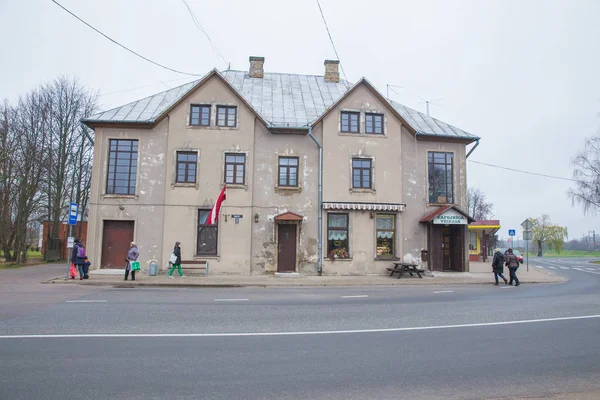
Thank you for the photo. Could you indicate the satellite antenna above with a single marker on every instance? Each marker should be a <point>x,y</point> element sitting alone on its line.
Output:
<point>392,86</point>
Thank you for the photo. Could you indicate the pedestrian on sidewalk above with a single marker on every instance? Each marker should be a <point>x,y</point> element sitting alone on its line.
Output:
<point>132,255</point>
<point>177,263</point>
<point>512,262</point>
<point>498,266</point>
<point>78,257</point>
<point>86,267</point>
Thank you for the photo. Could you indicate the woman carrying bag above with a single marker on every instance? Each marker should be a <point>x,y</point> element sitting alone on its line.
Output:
<point>176,260</point>
<point>132,256</point>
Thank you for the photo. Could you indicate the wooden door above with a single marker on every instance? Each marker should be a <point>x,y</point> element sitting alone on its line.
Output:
<point>457,245</point>
<point>286,248</point>
<point>436,248</point>
<point>116,237</point>
<point>447,248</point>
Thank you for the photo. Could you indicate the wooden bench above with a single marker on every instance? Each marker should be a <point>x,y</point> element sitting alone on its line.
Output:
<point>196,264</point>
<point>401,268</point>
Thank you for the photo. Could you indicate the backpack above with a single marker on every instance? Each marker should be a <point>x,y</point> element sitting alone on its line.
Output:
<point>80,251</point>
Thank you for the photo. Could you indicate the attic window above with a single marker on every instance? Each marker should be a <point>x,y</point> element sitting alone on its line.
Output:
<point>374,123</point>
<point>350,121</point>
<point>226,116</point>
<point>200,115</point>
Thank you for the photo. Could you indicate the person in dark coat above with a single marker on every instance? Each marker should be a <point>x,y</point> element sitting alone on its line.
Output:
<point>132,255</point>
<point>78,261</point>
<point>177,263</point>
<point>498,266</point>
<point>512,262</point>
<point>86,267</point>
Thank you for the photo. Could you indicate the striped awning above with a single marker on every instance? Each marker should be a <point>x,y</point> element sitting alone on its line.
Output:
<point>364,206</point>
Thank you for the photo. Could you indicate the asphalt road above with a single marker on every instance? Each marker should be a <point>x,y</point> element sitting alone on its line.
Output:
<point>425,342</point>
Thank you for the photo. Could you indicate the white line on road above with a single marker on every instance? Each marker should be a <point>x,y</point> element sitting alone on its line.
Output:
<point>564,268</point>
<point>507,287</point>
<point>416,328</point>
<point>552,267</point>
<point>444,291</point>
<point>355,297</point>
<point>85,301</point>
<point>539,266</point>
<point>231,299</point>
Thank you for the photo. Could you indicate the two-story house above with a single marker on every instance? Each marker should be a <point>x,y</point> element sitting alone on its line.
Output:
<point>321,175</point>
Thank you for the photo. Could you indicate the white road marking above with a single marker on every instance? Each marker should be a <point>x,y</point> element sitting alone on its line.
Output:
<point>552,267</point>
<point>507,287</point>
<point>355,297</point>
<point>231,299</point>
<point>565,268</point>
<point>444,291</point>
<point>415,328</point>
<point>578,268</point>
<point>539,266</point>
<point>86,301</point>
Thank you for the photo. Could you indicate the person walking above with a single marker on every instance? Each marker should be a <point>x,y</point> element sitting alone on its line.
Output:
<point>498,266</point>
<point>132,255</point>
<point>512,262</point>
<point>78,257</point>
<point>177,263</point>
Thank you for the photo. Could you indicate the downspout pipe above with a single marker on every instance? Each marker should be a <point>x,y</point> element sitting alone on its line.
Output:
<point>474,147</point>
<point>320,205</point>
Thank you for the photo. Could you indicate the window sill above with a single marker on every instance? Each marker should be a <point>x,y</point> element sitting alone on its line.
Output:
<point>439,204</point>
<point>184,185</point>
<point>372,191</point>
<point>337,259</point>
<point>209,256</point>
<point>288,189</point>
<point>120,196</point>
<point>236,186</point>
<point>199,127</point>
<point>362,134</point>
<point>386,259</point>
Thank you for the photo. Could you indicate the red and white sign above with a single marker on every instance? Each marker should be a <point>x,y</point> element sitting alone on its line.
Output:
<point>213,218</point>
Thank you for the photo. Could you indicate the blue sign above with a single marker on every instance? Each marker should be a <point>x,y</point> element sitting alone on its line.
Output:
<point>73,210</point>
<point>511,232</point>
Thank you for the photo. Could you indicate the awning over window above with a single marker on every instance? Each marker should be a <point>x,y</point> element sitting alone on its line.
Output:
<point>364,206</point>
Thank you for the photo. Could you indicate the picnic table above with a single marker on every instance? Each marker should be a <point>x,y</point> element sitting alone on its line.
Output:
<point>401,268</point>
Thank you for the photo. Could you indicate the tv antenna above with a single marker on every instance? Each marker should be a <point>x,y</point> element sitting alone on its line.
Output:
<point>432,102</point>
<point>388,87</point>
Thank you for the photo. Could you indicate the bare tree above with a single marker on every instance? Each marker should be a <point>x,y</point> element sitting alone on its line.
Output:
<point>477,205</point>
<point>544,232</point>
<point>586,171</point>
<point>69,157</point>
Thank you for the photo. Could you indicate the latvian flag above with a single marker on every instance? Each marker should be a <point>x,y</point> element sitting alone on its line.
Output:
<point>213,218</point>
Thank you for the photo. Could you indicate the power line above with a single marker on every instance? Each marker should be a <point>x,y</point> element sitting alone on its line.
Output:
<point>199,26</point>
<point>525,172</point>
<point>332,44</point>
<point>141,87</point>
<point>125,47</point>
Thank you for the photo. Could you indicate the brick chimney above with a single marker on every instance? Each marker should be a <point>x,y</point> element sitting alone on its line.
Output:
<point>332,73</point>
<point>256,67</point>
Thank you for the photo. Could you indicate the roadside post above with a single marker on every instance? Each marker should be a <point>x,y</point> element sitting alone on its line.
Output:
<point>527,236</point>
<point>73,211</point>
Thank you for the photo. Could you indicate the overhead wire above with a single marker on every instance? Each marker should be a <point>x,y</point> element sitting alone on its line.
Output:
<point>333,44</point>
<point>123,46</point>
<point>525,172</point>
<point>199,26</point>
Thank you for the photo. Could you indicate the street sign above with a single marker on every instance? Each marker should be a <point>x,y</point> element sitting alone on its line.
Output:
<point>527,224</point>
<point>527,235</point>
<point>511,232</point>
<point>70,242</point>
<point>73,210</point>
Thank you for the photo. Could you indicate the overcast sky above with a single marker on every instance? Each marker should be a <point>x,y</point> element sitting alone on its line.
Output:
<point>522,75</point>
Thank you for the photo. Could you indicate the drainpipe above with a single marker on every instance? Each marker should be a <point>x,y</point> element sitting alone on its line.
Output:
<point>474,147</point>
<point>320,201</point>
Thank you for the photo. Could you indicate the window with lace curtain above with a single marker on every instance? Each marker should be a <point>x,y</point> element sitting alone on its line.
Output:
<point>385,232</point>
<point>337,235</point>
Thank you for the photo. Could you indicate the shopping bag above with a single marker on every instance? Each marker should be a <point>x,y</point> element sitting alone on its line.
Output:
<point>73,271</point>
<point>173,259</point>
<point>135,265</point>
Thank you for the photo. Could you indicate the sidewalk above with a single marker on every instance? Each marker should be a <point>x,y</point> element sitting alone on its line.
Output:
<point>481,274</point>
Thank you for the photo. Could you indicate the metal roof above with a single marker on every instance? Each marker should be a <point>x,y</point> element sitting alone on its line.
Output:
<point>283,100</point>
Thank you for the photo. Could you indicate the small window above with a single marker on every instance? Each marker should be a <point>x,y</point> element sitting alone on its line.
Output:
<point>288,171</point>
<point>361,173</point>
<point>207,235</point>
<point>374,123</point>
<point>122,166</point>
<point>235,168</point>
<point>350,121</point>
<point>226,116</point>
<point>386,229</point>
<point>473,241</point>
<point>200,115</point>
<point>186,167</point>
<point>337,236</point>
<point>440,177</point>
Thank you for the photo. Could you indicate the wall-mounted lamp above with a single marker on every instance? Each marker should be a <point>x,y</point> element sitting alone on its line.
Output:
<point>225,215</point>
<point>255,217</point>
